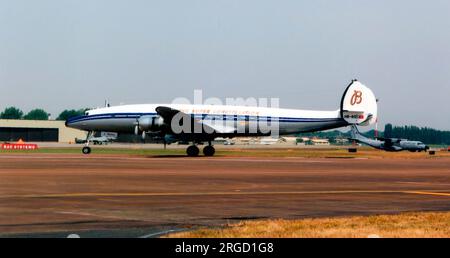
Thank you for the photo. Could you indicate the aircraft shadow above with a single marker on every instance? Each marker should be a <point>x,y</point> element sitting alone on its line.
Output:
<point>166,156</point>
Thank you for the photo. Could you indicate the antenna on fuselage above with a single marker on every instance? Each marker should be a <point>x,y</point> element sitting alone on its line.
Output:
<point>107,103</point>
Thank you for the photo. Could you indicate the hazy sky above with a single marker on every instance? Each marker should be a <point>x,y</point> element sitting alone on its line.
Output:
<point>58,54</point>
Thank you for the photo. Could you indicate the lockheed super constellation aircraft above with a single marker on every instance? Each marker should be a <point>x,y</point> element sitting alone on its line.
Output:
<point>204,123</point>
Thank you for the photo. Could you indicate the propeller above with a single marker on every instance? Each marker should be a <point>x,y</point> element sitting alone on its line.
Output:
<point>137,130</point>
<point>148,124</point>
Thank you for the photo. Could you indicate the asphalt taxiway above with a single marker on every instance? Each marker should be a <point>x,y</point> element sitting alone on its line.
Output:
<point>137,196</point>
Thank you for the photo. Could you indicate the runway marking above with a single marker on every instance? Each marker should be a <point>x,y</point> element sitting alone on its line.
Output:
<point>423,183</point>
<point>234,193</point>
<point>429,193</point>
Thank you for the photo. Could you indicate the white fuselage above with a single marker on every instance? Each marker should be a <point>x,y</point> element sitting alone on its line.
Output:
<point>291,121</point>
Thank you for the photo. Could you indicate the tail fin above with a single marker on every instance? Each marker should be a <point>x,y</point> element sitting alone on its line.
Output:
<point>359,105</point>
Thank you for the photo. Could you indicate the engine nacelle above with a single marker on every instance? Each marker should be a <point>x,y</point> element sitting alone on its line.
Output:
<point>169,139</point>
<point>150,123</point>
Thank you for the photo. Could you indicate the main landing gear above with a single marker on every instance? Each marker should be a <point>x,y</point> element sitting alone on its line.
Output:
<point>194,151</point>
<point>209,151</point>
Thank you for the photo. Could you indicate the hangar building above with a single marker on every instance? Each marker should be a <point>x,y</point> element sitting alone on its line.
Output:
<point>38,131</point>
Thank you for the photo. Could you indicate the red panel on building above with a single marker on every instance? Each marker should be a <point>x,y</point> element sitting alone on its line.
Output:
<point>20,145</point>
<point>8,146</point>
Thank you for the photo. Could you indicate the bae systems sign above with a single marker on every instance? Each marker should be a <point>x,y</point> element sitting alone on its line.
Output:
<point>20,145</point>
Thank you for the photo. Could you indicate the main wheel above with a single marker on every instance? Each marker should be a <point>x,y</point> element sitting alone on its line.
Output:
<point>86,150</point>
<point>209,151</point>
<point>192,151</point>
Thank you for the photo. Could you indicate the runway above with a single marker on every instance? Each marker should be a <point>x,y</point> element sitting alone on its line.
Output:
<point>134,196</point>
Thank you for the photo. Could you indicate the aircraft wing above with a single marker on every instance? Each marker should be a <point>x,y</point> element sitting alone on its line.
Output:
<point>208,126</point>
<point>393,140</point>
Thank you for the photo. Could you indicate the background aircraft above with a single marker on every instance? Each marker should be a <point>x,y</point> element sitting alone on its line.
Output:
<point>95,140</point>
<point>388,144</point>
<point>204,123</point>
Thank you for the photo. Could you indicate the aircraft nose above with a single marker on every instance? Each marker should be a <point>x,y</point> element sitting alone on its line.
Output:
<point>69,122</point>
<point>72,122</point>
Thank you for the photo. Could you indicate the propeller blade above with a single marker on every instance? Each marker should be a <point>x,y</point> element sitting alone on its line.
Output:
<point>143,135</point>
<point>136,130</point>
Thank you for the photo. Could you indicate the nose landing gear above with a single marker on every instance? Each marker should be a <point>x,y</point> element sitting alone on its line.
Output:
<point>86,149</point>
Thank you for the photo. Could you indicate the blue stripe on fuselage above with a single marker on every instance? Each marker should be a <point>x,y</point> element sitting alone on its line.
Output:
<point>202,116</point>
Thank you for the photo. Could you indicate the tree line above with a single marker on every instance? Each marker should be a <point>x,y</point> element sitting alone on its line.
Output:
<point>423,134</point>
<point>38,114</point>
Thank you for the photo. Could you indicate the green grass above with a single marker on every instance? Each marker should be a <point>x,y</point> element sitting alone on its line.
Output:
<point>236,152</point>
<point>332,152</point>
<point>100,151</point>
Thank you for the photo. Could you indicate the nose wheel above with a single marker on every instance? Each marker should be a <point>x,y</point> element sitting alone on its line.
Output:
<point>86,150</point>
